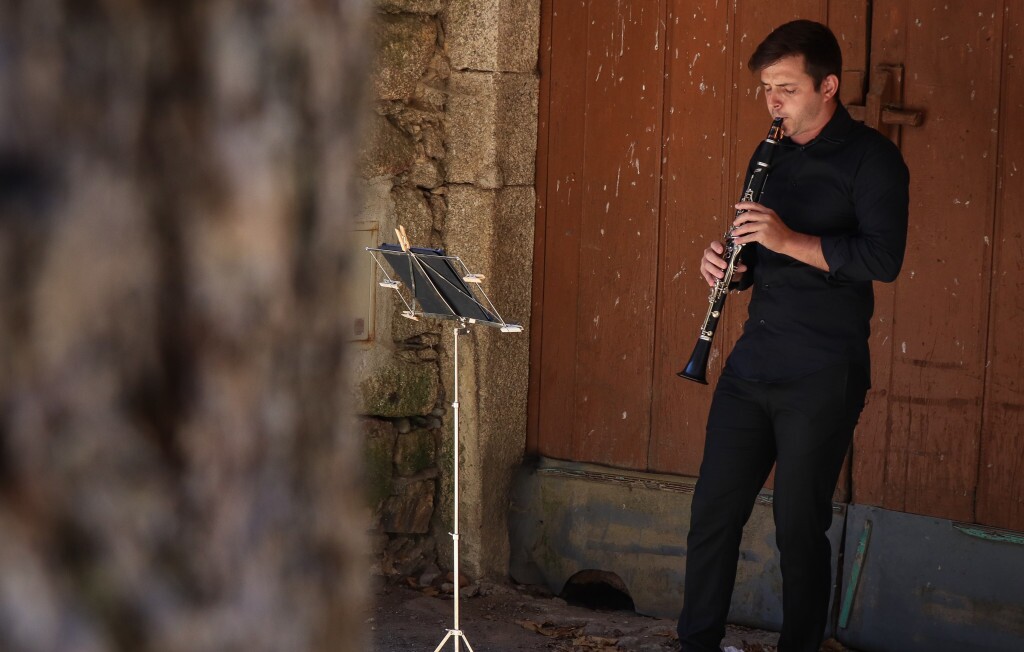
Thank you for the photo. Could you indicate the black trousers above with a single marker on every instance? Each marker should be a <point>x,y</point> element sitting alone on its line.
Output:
<point>804,427</point>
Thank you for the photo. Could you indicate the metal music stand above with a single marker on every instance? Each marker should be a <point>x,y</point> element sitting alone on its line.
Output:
<point>441,286</point>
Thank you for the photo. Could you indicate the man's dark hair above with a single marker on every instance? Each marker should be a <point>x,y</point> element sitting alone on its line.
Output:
<point>816,42</point>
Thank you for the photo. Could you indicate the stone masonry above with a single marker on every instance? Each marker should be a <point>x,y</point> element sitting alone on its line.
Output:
<point>450,156</point>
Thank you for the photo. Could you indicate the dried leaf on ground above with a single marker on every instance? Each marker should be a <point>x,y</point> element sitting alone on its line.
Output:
<point>595,642</point>
<point>549,629</point>
<point>589,644</point>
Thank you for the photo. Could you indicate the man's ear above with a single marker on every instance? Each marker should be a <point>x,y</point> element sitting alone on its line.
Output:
<point>830,86</point>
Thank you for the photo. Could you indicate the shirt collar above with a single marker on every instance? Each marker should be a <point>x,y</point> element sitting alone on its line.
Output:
<point>835,130</point>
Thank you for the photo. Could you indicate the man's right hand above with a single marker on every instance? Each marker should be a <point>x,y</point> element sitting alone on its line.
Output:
<point>712,266</point>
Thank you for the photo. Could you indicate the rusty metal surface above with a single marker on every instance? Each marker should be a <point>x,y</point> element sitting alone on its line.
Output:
<point>932,584</point>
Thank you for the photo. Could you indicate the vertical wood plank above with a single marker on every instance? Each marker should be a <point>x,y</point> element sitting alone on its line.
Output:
<point>696,153</point>
<point>540,230</point>
<point>619,236</point>
<point>563,190</point>
<point>1001,487</point>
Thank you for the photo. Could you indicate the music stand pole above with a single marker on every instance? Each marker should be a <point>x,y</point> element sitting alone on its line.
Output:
<point>455,632</point>
<point>442,287</point>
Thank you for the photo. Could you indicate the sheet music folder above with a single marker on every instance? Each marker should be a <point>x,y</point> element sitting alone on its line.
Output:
<point>436,285</point>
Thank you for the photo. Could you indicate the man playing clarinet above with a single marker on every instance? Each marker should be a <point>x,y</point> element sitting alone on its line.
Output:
<point>832,218</point>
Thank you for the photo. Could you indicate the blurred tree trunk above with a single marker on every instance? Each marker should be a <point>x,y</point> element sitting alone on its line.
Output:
<point>176,470</point>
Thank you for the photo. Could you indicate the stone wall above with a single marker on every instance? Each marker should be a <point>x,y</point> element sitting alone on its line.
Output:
<point>450,156</point>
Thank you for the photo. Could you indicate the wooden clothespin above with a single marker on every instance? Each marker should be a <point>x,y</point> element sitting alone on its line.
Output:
<point>402,237</point>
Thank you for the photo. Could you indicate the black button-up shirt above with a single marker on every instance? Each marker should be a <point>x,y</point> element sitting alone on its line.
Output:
<point>850,187</point>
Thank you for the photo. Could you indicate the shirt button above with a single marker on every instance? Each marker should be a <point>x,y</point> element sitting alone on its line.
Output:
<point>762,322</point>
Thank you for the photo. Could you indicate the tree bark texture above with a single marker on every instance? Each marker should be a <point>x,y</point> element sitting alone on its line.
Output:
<point>176,468</point>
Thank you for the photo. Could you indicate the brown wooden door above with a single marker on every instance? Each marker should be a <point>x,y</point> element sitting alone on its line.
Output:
<point>648,116</point>
<point>941,432</point>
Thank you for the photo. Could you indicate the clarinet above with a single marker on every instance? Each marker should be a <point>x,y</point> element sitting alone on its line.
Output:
<point>697,367</point>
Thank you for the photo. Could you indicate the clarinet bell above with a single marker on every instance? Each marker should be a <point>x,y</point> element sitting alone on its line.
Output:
<point>697,367</point>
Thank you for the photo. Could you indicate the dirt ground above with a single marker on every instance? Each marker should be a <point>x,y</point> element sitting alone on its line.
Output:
<point>508,618</point>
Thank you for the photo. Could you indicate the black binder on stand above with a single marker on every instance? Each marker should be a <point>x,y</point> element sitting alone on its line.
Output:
<point>440,286</point>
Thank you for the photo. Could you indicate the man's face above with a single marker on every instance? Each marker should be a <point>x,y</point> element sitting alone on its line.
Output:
<point>789,93</point>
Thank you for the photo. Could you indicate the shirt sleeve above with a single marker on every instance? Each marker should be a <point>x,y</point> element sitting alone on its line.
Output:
<point>881,203</point>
